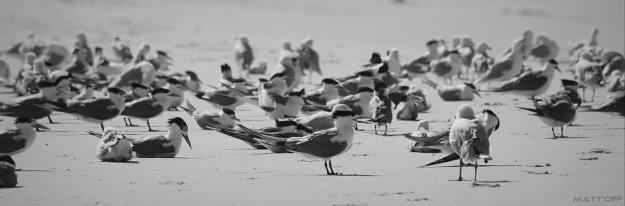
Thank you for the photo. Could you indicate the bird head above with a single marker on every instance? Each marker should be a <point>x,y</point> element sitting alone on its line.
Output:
<point>230,114</point>
<point>181,125</point>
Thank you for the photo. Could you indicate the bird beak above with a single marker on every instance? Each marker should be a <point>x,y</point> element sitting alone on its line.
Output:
<point>186,138</point>
<point>39,126</point>
<point>477,93</point>
<point>558,69</point>
<point>236,118</point>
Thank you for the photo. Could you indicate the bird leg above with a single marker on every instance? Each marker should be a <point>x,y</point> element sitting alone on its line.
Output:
<point>554,133</point>
<point>460,174</point>
<point>385,128</point>
<point>50,120</point>
<point>375,129</point>
<point>325,163</point>
<point>150,127</point>
<point>475,175</point>
<point>130,123</point>
<point>584,95</point>
<point>592,99</point>
<point>102,126</point>
<point>562,132</point>
<point>331,169</point>
<point>126,123</point>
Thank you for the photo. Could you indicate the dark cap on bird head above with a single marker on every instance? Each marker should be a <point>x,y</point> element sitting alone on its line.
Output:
<point>568,82</point>
<point>490,112</point>
<point>431,42</point>
<point>553,61</point>
<point>225,67</point>
<point>375,58</point>
<point>45,84</point>
<point>159,91</point>
<point>285,123</point>
<point>227,111</point>
<point>115,90</point>
<point>98,49</point>
<point>173,81</point>
<point>262,80</point>
<point>364,89</point>
<point>192,75</point>
<point>380,86</point>
<point>454,52</point>
<point>329,81</point>
<point>470,85</point>
<point>135,85</point>
<point>178,121</point>
<point>163,53</point>
<point>162,76</point>
<point>296,93</point>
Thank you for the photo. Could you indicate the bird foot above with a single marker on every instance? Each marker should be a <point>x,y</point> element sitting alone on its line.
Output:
<point>153,130</point>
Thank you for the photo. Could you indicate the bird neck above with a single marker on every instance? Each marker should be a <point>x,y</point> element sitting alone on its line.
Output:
<point>344,124</point>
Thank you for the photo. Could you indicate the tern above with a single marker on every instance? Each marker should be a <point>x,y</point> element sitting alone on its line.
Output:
<point>32,106</point>
<point>284,129</point>
<point>96,110</point>
<point>177,93</point>
<point>138,91</point>
<point>555,111</point>
<point>329,91</point>
<point>460,92</point>
<point>15,141</point>
<point>351,86</point>
<point>162,146</point>
<point>324,144</point>
<point>148,107</point>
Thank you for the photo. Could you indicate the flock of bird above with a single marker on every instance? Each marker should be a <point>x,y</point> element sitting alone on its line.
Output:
<point>319,124</point>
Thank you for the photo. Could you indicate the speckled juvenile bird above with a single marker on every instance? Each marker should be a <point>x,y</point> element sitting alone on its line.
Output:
<point>382,108</point>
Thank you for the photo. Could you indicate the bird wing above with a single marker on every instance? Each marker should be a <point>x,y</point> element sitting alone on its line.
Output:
<point>142,108</point>
<point>8,143</point>
<point>152,145</point>
<point>96,108</point>
<point>317,144</point>
<point>527,81</point>
<point>441,68</point>
<point>541,51</point>
<point>498,69</point>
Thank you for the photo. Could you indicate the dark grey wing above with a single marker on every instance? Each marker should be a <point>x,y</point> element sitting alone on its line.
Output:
<point>96,108</point>
<point>153,146</point>
<point>222,99</point>
<point>450,94</point>
<point>8,144</point>
<point>142,109</point>
<point>318,144</point>
<point>540,51</point>
<point>497,70</point>
<point>441,68</point>
<point>527,81</point>
<point>315,97</point>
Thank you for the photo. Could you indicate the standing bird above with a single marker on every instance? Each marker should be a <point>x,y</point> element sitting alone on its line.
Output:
<point>460,92</point>
<point>530,83</point>
<point>468,138</point>
<point>148,107</point>
<point>382,108</point>
<point>143,72</point>
<point>448,67</point>
<point>555,111</point>
<point>177,93</point>
<point>96,110</point>
<point>506,67</point>
<point>588,73</point>
<point>163,146</point>
<point>329,91</point>
<point>243,55</point>
<point>544,49</point>
<point>324,144</point>
<point>481,62</point>
<point>309,58</point>
<point>33,106</point>
<point>208,120</point>
<point>392,60</point>
<point>15,141</point>
<point>591,42</point>
<point>112,148</point>
<point>121,50</point>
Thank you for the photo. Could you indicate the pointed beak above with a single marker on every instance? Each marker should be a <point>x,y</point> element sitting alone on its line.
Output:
<point>40,126</point>
<point>558,69</point>
<point>477,93</point>
<point>236,118</point>
<point>186,138</point>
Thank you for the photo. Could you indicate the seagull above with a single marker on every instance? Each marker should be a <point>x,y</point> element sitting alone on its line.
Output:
<point>482,61</point>
<point>329,91</point>
<point>505,68</point>
<point>177,93</point>
<point>429,141</point>
<point>95,110</point>
<point>447,67</point>
<point>112,148</point>
<point>460,92</point>
<point>525,43</point>
<point>32,106</point>
<point>143,72</point>
<point>615,103</point>
<point>555,111</point>
<point>351,86</point>
<point>530,83</point>
<point>574,47</point>
<point>382,108</point>
<point>422,64</point>
<point>544,49</point>
<point>309,58</point>
<point>289,65</point>
<point>162,146</point>
<point>221,98</point>
<point>588,73</point>
<point>383,75</point>
<point>243,54</point>
<point>121,50</point>
<point>148,107</point>
<point>15,141</point>
<point>324,144</point>
<point>208,120</point>
<point>392,60</point>
<point>468,137</point>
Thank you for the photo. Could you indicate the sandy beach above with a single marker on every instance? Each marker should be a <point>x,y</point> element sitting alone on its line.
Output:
<point>529,167</point>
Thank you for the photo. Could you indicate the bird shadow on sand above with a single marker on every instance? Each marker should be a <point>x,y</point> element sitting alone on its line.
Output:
<point>347,175</point>
<point>8,188</point>
<point>469,165</point>
<point>565,137</point>
<point>34,170</point>
<point>124,162</point>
